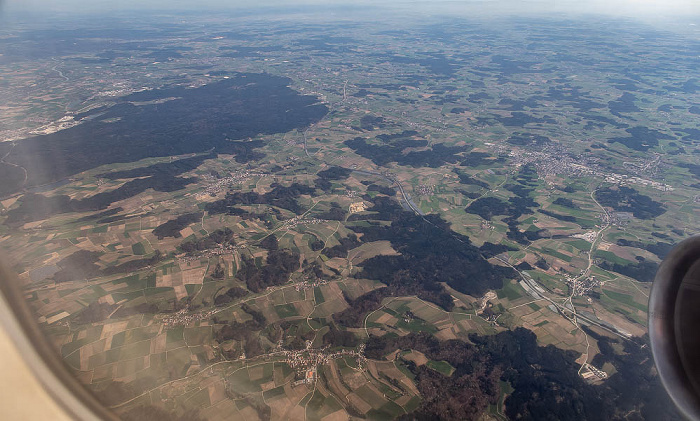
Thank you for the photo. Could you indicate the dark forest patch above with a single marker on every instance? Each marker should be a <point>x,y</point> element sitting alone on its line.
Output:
<point>280,196</point>
<point>230,295</point>
<point>173,227</point>
<point>567,203</point>
<point>334,173</point>
<point>573,97</point>
<point>565,218</point>
<point>100,215</point>
<point>489,250</point>
<point>604,120</point>
<point>335,213</point>
<point>342,249</point>
<point>643,271</point>
<point>627,199</point>
<point>519,104</point>
<point>437,64</point>
<point>527,139</point>
<point>478,159</point>
<point>430,253</point>
<point>624,104</point>
<point>660,249</point>
<point>522,204</point>
<point>641,138</point>
<point>469,180</point>
<point>134,265</point>
<point>159,177</point>
<point>278,266</point>
<point>694,169</point>
<point>218,238</point>
<point>689,135</point>
<point>435,157</point>
<point>395,138</point>
<point>78,266</point>
<point>488,207</point>
<point>243,332</point>
<point>381,189</point>
<point>370,123</point>
<point>198,120</point>
<point>12,178</point>
<point>545,379</point>
<point>516,119</point>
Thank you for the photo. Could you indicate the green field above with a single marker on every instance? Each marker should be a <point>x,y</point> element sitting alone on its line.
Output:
<point>624,299</point>
<point>511,291</point>
<point>286,310</point>
<point>442,367</point>
<point>139,249</point>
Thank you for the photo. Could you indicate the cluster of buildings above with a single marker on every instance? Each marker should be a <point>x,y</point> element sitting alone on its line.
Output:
<point>219,184</point>
<point>300,220</point>
<point>617,218</point>
<point>184,317</point>
<point>304,285</point>
<point>555,160</point>
<point>590,372</point>
<point>582,286</point>
<point>425,190</point>
<point>306,361</point>
<point>487,225</point>
<point>219,251</point>
<point>644,166</point>
<point>358,207</point>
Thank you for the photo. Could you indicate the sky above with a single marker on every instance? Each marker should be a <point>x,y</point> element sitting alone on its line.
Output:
<point>675,15</point>
<point>614,7</point>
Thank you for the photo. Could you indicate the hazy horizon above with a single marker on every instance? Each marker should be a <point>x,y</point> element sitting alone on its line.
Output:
<point>647,9</point>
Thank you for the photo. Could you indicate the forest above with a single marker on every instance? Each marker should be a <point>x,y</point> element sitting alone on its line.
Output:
<point>430,253</point>
<point>280,196</point>
<point>559,216</point>
<point>643,270</point>
<point>545,379</point>
<point>469,180</point>
<point>218,238</point>
<point>159,177</point>
<point>381,189</point>
<point>196,120</point>
<point>333,173</point>
<point>83,265</point>
<point>627,199</point>
<point>335,213</point>
<point>381,155</point>
<point>278,266</point>
<point>230,295</point>
<point>244,332</point>
<point>341,250</point>
<point>173,227</point>
<point>660,249</point>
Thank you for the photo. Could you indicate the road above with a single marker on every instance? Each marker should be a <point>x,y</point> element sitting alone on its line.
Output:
<point>393,180</point>
<point>561,308</point>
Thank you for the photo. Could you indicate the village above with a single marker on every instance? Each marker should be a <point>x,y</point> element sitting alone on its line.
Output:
<point>555,160</point>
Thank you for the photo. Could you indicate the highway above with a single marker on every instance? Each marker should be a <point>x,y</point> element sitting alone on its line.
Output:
<point>560,308</point>
<point>406,198</point>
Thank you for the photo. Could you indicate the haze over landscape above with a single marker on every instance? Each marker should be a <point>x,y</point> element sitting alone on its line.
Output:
<point>332,211</point>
